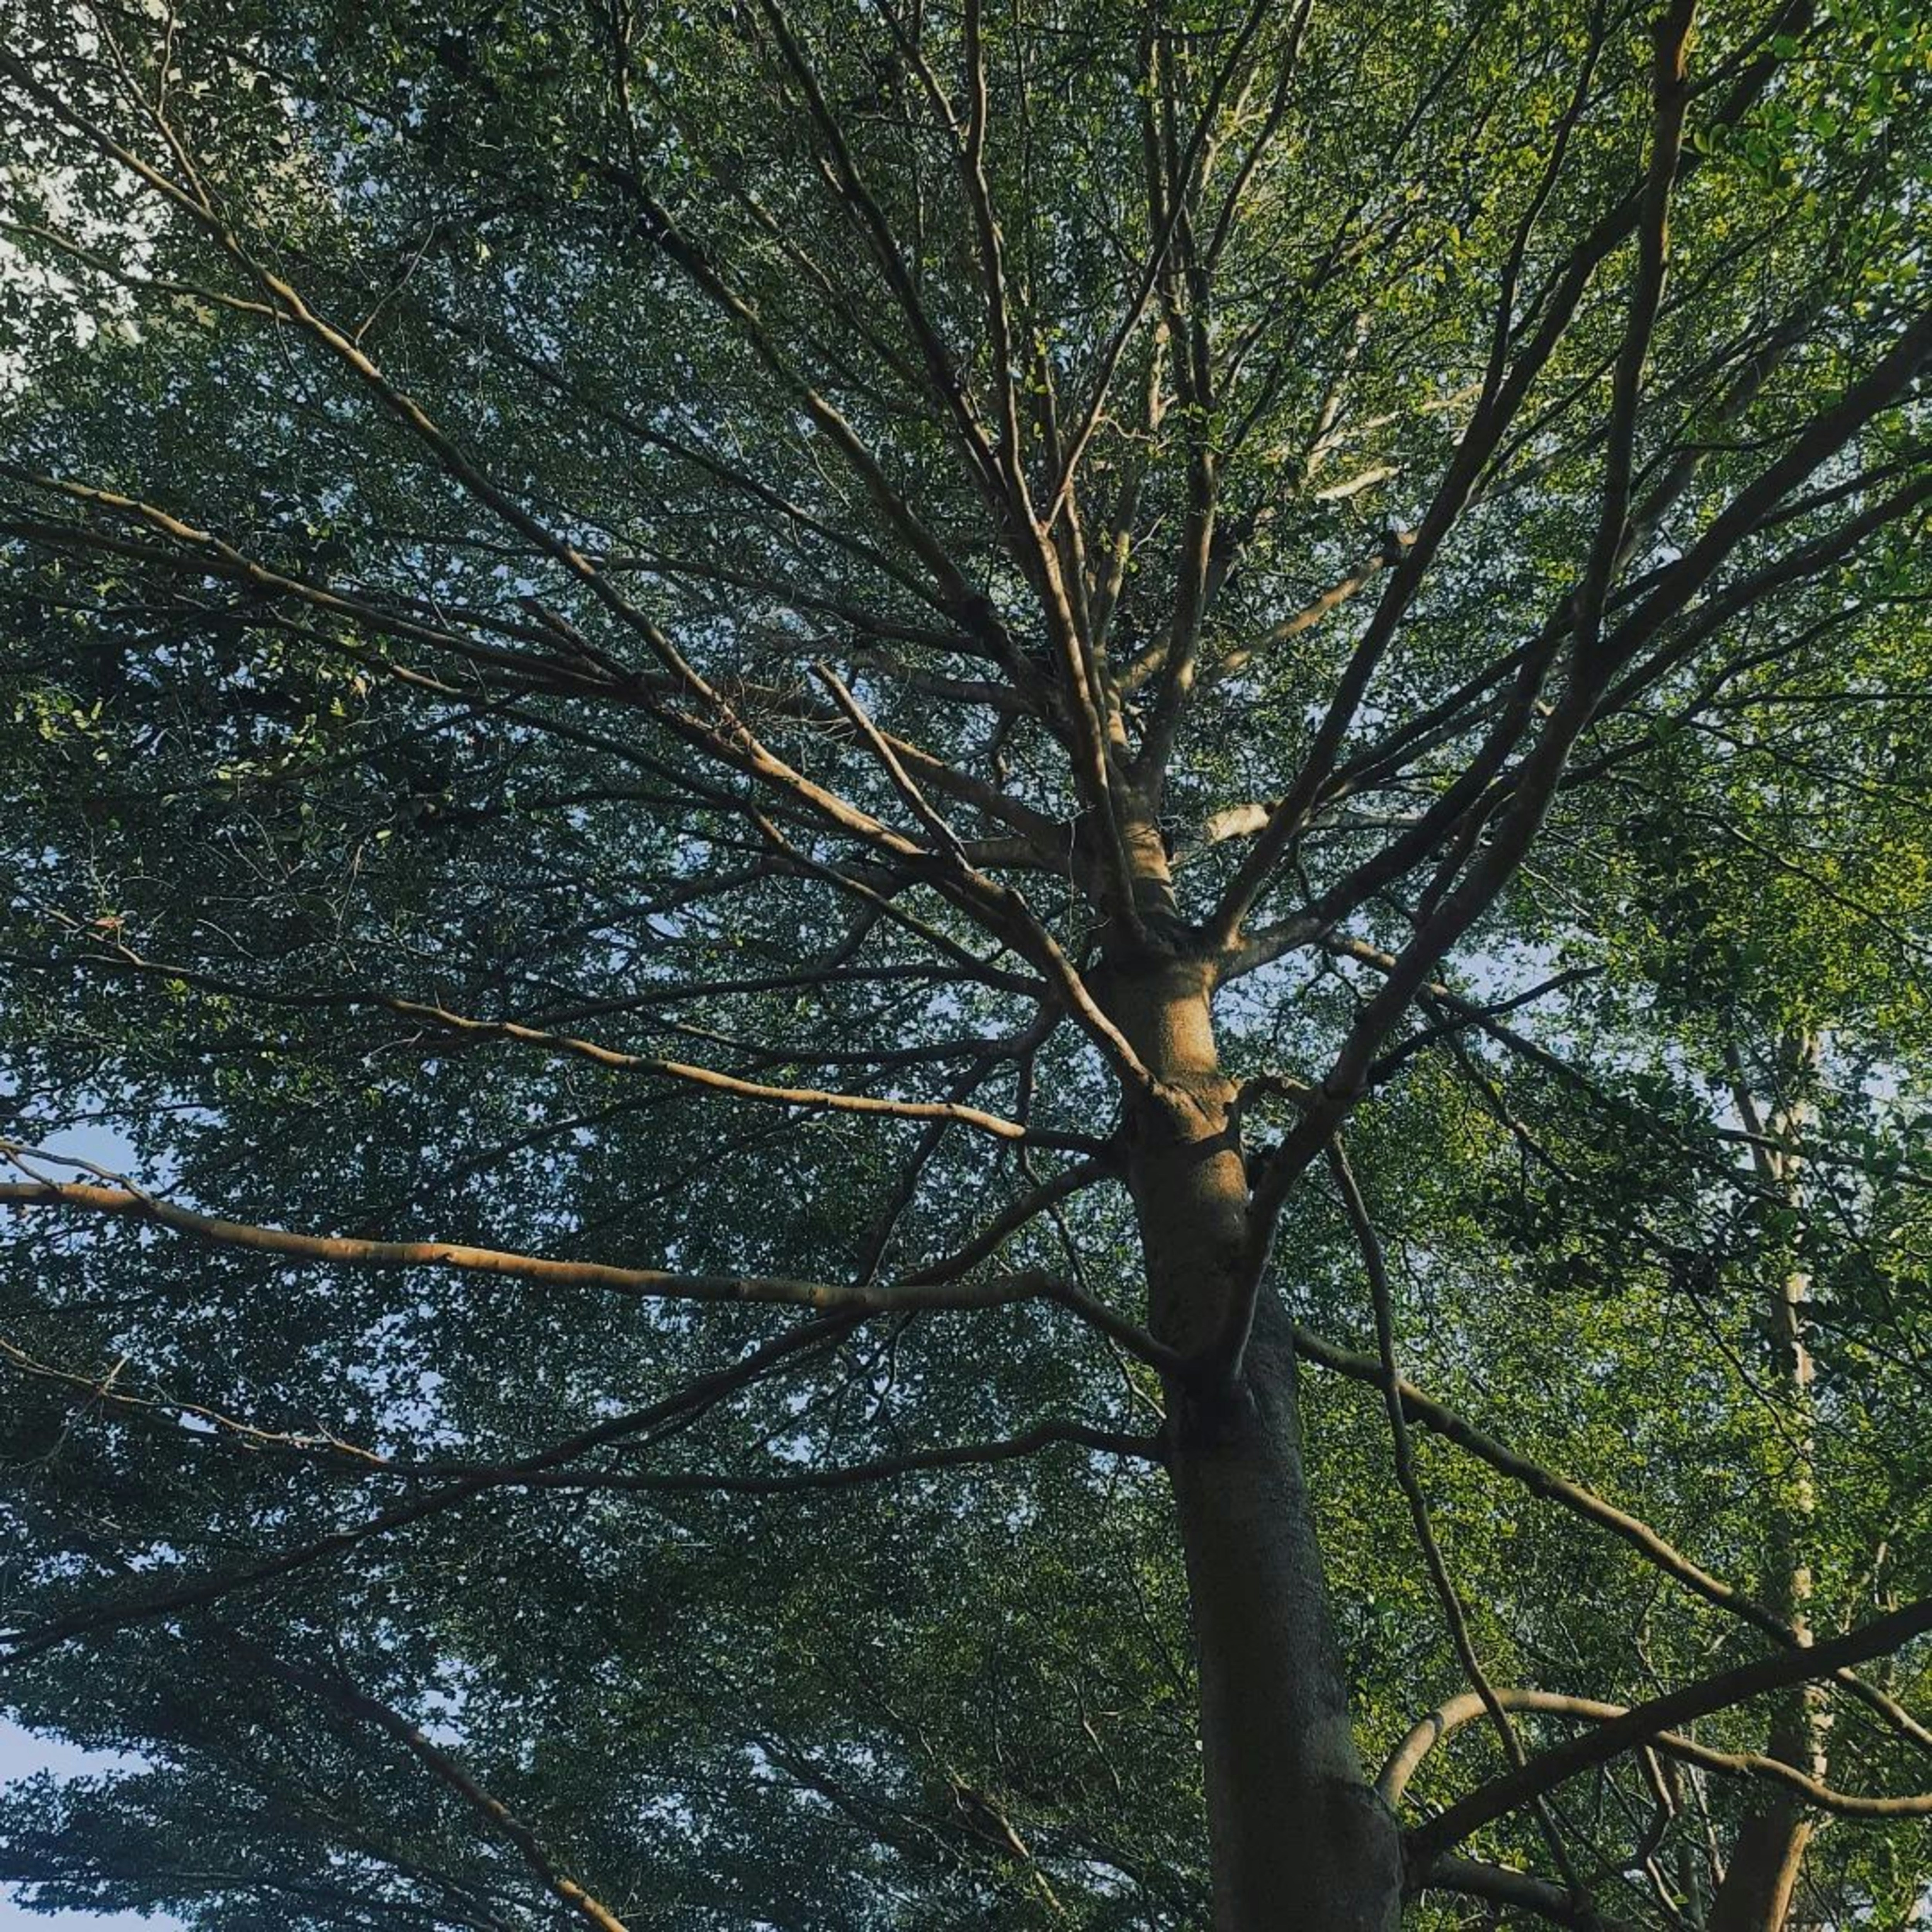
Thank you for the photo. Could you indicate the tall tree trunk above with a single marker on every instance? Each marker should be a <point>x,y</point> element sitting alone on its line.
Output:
<point>1299,1840</point>
<point>1762,1875</point>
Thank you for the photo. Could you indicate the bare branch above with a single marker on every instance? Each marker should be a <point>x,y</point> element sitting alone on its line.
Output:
<point>1644,1724</point>
<point>345,1251</point>
<point>1450,1717</point>
<point>1376,1268</point>
<point>693,1398</point>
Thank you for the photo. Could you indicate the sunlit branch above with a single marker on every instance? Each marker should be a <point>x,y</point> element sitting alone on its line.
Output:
<point>1644,1724</point>
<point>1450,1717</point>
<point>1504,1885</point>
<point>1387,556</point>
<point>345,1251</point>
<point>806,1099</point>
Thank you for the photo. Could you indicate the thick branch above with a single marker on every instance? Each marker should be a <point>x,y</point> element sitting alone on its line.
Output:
<point>1645,1722</point>
<point>1450,1717</point>
<point>345,1251</point>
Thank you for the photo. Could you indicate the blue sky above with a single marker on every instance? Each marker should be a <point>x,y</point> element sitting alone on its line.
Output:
<point>22,1753</point>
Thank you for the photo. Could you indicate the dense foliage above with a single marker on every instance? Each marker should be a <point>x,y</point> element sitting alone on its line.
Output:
<point>620,627</point>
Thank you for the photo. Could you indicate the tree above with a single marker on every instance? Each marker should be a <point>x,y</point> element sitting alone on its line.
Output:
<point>803,780</point>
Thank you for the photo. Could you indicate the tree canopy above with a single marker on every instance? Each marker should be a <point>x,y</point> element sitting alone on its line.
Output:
<point>967,966</point>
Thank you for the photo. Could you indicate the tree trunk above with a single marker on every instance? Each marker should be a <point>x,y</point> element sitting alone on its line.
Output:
<point>1299,1840</point>
<point>1762,1874</point>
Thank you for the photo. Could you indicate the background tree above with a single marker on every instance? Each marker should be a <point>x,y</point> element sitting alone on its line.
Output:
<point>794,779</point>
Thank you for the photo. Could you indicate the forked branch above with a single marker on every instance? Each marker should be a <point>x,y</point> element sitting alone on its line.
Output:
<point>1645,1723</point>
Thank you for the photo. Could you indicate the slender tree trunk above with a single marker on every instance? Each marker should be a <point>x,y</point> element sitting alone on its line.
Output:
<point>1299,1841</point>
<point>1762,1875</point>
